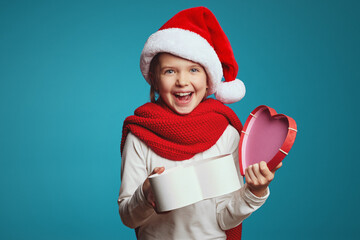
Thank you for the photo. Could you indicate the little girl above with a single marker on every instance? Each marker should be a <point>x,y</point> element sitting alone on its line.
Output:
<point>184,63</point>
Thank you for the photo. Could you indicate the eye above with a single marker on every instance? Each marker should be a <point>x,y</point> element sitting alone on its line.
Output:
<point>169,71</point>
<point>194,70</point>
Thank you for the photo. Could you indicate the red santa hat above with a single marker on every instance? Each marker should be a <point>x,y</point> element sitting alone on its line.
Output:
<point>196,35</point>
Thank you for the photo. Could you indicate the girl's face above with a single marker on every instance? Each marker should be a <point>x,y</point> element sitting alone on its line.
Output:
<point>182,84</point>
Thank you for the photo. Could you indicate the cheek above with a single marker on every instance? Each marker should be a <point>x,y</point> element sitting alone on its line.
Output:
<point>201,84</point>
<point>164,86</point>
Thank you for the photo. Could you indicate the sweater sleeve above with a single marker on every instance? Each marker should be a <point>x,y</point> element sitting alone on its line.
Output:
<point>134,210</point>
<point>235,207</point>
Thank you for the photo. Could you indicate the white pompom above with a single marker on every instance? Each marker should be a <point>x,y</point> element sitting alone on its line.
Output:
<point>230,92</point>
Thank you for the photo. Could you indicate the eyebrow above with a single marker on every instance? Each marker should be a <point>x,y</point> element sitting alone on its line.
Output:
<point>191,66</point>
<point>166,67</point>
<point>196,65</point>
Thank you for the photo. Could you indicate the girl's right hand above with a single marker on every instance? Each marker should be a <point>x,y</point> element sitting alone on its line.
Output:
<point>149,195</point>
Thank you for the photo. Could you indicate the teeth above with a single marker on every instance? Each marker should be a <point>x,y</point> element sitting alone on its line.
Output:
<point>182,94</point>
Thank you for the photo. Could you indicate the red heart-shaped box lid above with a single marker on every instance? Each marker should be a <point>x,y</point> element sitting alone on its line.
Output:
<point>266,136</point>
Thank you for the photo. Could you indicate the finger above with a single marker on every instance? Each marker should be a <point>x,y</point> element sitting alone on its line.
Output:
<point>161,170</point>
<point>155,170</point>
<point>146,187</point>
<point>277,167</point>
<point>151,200</point>
<point>251,174</point>
<point>269,176</point>
<point>259,175</point>
<point>247,176</point>
<point>264,169</point>
<point>158,170</point>
<point>256,170</point>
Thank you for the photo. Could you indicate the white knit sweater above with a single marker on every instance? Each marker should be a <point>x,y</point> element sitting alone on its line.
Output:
<point>207,219</point>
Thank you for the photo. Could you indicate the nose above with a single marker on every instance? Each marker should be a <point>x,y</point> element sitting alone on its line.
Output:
<point>182,80</point>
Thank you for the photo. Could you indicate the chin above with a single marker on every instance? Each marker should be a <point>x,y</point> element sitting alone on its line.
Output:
<point>183,111</point>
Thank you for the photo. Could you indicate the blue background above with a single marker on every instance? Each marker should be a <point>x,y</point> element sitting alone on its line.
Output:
<point>69,73</point>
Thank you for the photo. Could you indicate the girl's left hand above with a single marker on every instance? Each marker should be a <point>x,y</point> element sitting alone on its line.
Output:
<point>147,190</point>
<point>258,177</point>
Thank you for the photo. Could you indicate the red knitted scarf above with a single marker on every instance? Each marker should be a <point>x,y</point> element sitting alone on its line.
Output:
<point>179,137</point>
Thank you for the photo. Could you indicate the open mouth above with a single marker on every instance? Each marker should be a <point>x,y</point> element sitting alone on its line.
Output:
<point>183,96</point>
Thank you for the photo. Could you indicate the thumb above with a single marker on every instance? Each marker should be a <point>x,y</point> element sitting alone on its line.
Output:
<point>158,170</point>
<point>277,167</point>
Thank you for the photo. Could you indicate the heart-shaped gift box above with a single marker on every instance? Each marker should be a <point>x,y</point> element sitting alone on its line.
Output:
<point>266,136</point>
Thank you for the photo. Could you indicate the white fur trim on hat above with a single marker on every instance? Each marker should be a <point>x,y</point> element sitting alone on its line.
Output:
<point>230,92</point>
<point>185,44</point>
